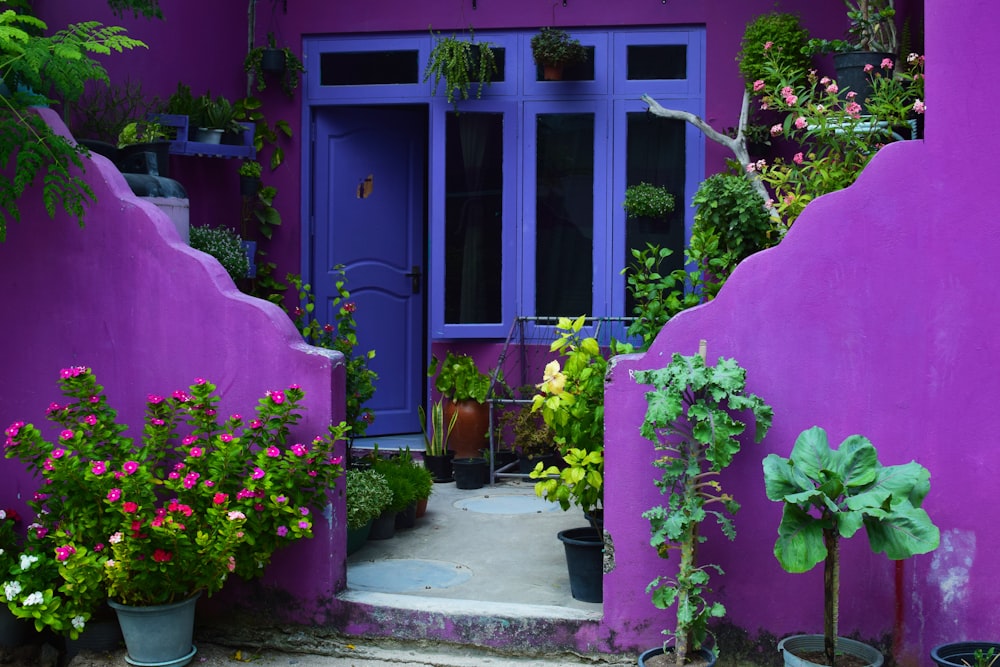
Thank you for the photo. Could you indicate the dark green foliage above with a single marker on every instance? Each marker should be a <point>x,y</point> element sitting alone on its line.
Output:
<point>226,246</point>
<point>552,46</point>
<point>148,8</point>
<point>458,378</point>
<point>289,77</point>
<point>648,201</point>
<point>657,296</point>
<point>788,40</point>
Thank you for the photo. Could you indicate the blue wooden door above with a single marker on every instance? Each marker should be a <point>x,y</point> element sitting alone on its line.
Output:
<point>369,204</point>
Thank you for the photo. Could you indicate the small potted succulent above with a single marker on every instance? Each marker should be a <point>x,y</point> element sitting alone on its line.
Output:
<point>690,419</point>
<point>553,49</point>
<point>250,171</point>
<point>437,456</point>
<point>368,494</point>
<point>828,494</point>
<point>460,381</point>
<point>461,63</point>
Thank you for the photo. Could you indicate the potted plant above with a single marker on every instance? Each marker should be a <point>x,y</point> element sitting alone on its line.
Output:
<point>250,171</point>
<point>461,63</point>
<point>532,438</point>
<point>828,494</point>
<point>404,493</point>
<point>690,419</point>
<point>143,148</point>
<point>217,117</point>
<point>270,60</point>
<point>553,49</point>
<point>367,495</point>
<point>225,245</point>
<point>648,201</point>
<point>437,456</point>
<point>966,654</point>
<point>156,523</point>
<point>465,387</point>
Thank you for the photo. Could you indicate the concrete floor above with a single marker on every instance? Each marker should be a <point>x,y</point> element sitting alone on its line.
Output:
<point>495,544</point>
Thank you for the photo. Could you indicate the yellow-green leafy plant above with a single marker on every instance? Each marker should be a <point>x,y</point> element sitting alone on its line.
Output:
<point>461,63</point>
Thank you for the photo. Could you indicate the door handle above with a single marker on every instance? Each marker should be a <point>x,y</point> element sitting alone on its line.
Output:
<point>416,278</point>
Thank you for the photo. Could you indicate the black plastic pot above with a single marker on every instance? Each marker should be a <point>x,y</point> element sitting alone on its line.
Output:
<point>585,562</point>
<point>272,61</point>
<point>469,472</point>
<point>851,75</point>
<point>440,467</point>
<point>961,654</point>
<point>408,517</point>
<point>383,527</point>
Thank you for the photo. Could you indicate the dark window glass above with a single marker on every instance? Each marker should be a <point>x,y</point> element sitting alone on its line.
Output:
<point>666,61</point>
<point>655,155</point>
<point>564,215</point>
<point>365,68</point>
<point>473,217</point>
<point>581,71</point>
<point>499,58</point>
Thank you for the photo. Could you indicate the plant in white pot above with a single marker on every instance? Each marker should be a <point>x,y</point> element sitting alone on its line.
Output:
<point>691,418</point>
<point>829,494</point>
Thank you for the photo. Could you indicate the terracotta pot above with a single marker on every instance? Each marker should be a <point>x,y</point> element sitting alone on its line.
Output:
<point>552,72</point>
<point>471,428</point>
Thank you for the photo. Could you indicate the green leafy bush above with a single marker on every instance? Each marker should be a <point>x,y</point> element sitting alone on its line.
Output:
<point>225,245</point>
<point>368,494</point>
<point>787,39</point>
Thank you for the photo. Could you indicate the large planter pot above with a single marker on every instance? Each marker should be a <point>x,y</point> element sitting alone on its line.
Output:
<point>440,467</point>
<point>655,657</point>
<point>384,526</point>
<point>408,517</point>
<point>961,654</point>
<point>421,507</point>
<point>13,630</point>
<point>851,75</point>
<point>101,635</point>
<point>472,426</point>
<point>796,645</point>
<point>356,538</point>
<point>469,472</point>
<point>585,562</point>
<point>158,635</point>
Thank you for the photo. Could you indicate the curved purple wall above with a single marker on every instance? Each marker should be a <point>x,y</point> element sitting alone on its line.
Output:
<point>126,297</point>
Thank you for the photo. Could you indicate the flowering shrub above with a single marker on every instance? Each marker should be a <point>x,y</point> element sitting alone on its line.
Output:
<point>341,335</point>
<point>836,137</point>
<point>157,521</point>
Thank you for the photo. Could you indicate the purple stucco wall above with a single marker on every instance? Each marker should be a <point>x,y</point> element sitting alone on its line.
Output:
<point>873,317</point>
<point>126,297</point>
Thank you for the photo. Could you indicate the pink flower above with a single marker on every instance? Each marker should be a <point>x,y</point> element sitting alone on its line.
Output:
<point>751,168</point>
<point>832,89</point>
<point>173,475</point>
<point>776,130</point>
<point>191,479</point>
<point>236,418</point>
<point>853,109</point>
<point>336,460</point>
<point>257,473</point>
<point>41,532</point>
<point>196,452</point>
<point>130,467</point>
<point>299,449</point>
<point>767,45</point>
<point>94,399</point>
<point>282,531</point>
<point>277,396</point>
<point>281,500</point>
<point>62,553</point>
<point>199,380</point>
<point>304,511</point>
<point>758,85</point>
<point>189,440</point>
<point>182,396</point>
<point>226,437</point>
<point>154,399</point>
<point>294,386</point>
<point>129,507</point>
<point>156,421</point>
<point>801,123</point>
<point>886,63</point>
<point>72,372</point>
<point>919,106</point>
<point>798,158</point>
<point>14,429</point>
<point>219,498</point>
<point>869,67</point>
<point>851,95</point>
<point>825,80</point>
<point>90,420</point>
<point>98,467</point>
<point>58,453</point>
<point>256,423</point>
<point>66,434</point>
<point>304,525</point>
<point>273,452</point>
<point>53,407</point>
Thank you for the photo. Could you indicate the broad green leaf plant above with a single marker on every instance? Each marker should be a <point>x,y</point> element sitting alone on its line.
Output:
<point>691,417</point>
<point>35,68</point>
<point>830,494</point>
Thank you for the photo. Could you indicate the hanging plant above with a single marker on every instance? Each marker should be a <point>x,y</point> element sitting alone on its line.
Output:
<point>461,63</point>
<point>648,201</point>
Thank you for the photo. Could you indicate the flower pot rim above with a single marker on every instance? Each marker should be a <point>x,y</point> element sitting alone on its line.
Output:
<point>115,604</point>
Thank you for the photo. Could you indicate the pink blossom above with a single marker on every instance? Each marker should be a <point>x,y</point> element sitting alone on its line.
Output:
<point>851,95</point>
<point>189,440</point>
<point>47,465</point>
<point>797,158</point>
<point>256,423</point>
<point>53,407</point>
<point>226,437</point>
<point>191,479</point>
<point>304,525</point>
<point>98,467</point>
<point>282,531</point>
<point>832,89</point>
<point>299,449</point>
<point>41,531</point>
<point>764,106</point>
<point>231,564</point>
<point>220,498</point>
<point>236,515</point>
<point>853,109</point>
<point>277,396</point>
<point>66,434</point>
<point>273,452</point>
<point>173,475</point>
<point>869,67</point>
<point>156,421</point>
<point>758,85</point>
<point>304,511</point>
<point>199,380</point>
<point>792,100</point>
<point>919,106</point>
<point>72,372</point>
<point>825,80</point>
<point>154,399</point>
<point>789,198</point>
<point>236,418</point>
<point>58,453</point>
<point>179,466</point>
<point>209,483</point>
<point>281,500</point>
<point>90,420</point>
<point>62,553</point>
<point>14,429</point>
<point>767,45</point>
<point>336,460</point>
<point>130,467</point>
<point>129,507</point>
<point>257,473</point>
<point>776,130</point>
<point>196,452</point>
<point>94,399</point>
<point>801,123</point>
<point>312,473</point>
<point>751,168</point>
<point>294,386</point>
<point>886,63</point>
<point>182,396</point>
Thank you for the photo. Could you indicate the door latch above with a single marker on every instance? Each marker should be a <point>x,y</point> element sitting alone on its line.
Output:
<point>416,277</point>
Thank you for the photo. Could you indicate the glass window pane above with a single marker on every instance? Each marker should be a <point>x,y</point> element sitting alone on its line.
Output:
<point>664,61</point>
<point>655,155</point>
<point>364,68</point>
<point>473,217</point>
<point>564,214</point>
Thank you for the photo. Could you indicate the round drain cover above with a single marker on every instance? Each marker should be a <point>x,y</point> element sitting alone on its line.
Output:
<point>506,505</point>
<point>399,575</point>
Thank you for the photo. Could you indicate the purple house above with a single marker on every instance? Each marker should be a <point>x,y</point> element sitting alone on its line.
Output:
<point>867,318</point>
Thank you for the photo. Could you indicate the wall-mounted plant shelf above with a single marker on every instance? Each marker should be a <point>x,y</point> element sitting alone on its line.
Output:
<point>184,144</point>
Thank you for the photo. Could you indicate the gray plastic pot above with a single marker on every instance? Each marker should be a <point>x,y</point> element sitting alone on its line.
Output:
<point>790,647</point>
